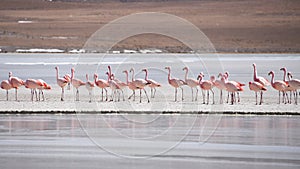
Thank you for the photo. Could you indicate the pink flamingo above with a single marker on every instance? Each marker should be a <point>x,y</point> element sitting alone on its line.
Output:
<point>76,83</point>
<point>289,88</point>
<point>140,83</point>
<point>130,85</point>
<point>44,86</point>
<point>236,83</point>
<point>6,86</point>
<point>121,84</point>
<point>33,84</point>
<point>295,85</point>
<point>257,87</point>
<point>15,82</point>
<point>89,86</point>
<point>113,86</point>
<point>192,83</point>
<point>206,85</point>
<point>231,87</point>
<point>61,82</point>
<point>220,85</point>
<point>68,78</point>
<point>278,85</point>
<point>153,84</point>
<point>175,82</point>
<point>101,83</point>
<point>259,79</point>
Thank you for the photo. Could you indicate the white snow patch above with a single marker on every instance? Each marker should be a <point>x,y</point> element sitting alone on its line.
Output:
<point>77,51</point>
<point>129,51</point>
<point>39,51</point>
<point>25,21</point>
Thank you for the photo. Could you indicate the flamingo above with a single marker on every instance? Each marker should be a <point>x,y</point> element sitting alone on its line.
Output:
<point>140,83</point>
<point>153,84</point>
<point>15,82</point>
<point>206,85</point>
<point>259,79</point>
<point>257,87</point>
<point>294,84</point>
<point>113,86</point>
<point>289,88</point>
<point>62,82</point>
<point>278,84</point>
<point>121,84</point>
<point>175,82</point>
<point>101,83</point>
<point>33,84</point>
<point>68,78</point>
<point>130,85</point>
<point>6,86</point>
<point>220,85</point>
<point>235,83</point>
<point>231,87</point>
<point>89,86</point>
<point>76,83</point>
<point>192,83</point>
<point>44,86</point>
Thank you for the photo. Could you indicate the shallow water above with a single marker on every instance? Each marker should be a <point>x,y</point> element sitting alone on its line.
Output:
<point>149,141</point>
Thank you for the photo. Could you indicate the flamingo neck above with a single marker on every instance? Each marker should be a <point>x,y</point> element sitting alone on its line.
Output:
<point>255,73</point>
<point>169,75</point>
<point>146,74</point>
<point>284,75</point>
<point>132,78</point>
<point>290,77</point>
<point>186,74</point>
<point>272,78</point>
<point>56,73</point>
<point>127,81</point>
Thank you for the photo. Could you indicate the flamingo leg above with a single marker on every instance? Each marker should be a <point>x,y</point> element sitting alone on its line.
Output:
<point>238,94</point>
<point>181,93</point>
<point>7,95</point>
<point>261,96</point>
<point>123,95</point>
<point>256,98</point>
<point>106,94</point>
<point>36,97</point>
<point>175,94</point>
<point>221,96</point>
<point>154,92</point>
<point>196,94</point>
<point>146,95</point>
<point>62,94</point>
<point>232,98</point>
<point>192,94</point>
<point>90,94</point>
<point>77,95</point>
<point>140,95</point>
<point>102,94</point>
<point>227,97</point>
<point>203,97</point>
<point>279,98</point>
<point>16,94</point>
<point>207,97</point>
<point>213,93</point>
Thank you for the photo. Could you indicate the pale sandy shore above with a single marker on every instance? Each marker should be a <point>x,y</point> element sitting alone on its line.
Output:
<point>162,103</point>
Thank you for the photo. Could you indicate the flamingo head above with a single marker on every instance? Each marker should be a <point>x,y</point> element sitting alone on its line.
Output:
<point>72,70</point>
<point>106,73</point>
<point>283,69</point>
<point>212,78</point>
<point>271,73</point>
<point>125,71</point>
<point>220,74</point>
<point>9,74</point>
<point>95,76</point>
<point>185,68</point>
<point>145,70</point>
<point>167,68</point>
<point>290,74</point>
<point>131,70</point>
<point>112,76</point>
<point>200,76</point>
<point>254,65</point>
<point>226,74</point>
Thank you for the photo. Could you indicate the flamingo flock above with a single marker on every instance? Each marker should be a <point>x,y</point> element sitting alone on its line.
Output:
<point>287,88</point>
